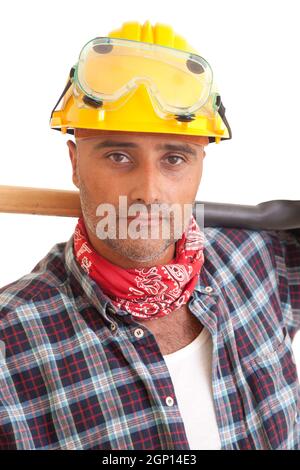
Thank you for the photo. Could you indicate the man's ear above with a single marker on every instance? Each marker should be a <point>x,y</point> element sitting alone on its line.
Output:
<point>74,161</point>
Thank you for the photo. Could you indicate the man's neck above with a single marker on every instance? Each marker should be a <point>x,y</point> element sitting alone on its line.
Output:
<point>174,331</point>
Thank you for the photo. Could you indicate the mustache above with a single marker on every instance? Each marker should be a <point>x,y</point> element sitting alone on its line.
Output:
<point>162,213</point>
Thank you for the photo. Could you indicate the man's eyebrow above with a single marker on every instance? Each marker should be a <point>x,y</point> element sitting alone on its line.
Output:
<point>186,148</point>
<point>174,147</point>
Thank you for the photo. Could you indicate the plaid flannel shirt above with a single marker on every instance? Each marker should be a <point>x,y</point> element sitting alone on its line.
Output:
<point>73,374</point>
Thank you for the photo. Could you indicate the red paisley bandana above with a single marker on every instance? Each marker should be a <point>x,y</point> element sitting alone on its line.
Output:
<point>151,292</point>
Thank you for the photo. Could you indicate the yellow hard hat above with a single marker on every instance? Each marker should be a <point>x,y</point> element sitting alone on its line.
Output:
<point>142,78</point>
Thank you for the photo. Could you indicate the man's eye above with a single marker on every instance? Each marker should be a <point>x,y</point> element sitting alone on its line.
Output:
<point>118,157</point>
<point>175,160</point>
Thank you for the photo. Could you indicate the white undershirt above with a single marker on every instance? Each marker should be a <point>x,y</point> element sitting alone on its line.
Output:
<point>190,370</point>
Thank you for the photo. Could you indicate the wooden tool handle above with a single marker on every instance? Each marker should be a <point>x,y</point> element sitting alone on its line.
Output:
<point>39,201</point>
<point>269,215</point>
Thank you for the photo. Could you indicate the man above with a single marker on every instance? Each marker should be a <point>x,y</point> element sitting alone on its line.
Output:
<point>151,176</point>
<point>159,342</point>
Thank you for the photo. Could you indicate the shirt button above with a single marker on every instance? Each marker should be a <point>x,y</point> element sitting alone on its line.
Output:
<point>113,326</point>
<point>110,309</point>
<point>208,289</point>
<point>138,333</point>
<point>169,401</point>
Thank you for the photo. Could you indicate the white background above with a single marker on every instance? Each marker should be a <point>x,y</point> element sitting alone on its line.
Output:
<point>253,48</point>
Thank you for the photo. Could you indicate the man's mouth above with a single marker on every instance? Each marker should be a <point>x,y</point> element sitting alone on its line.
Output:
<point>146,220</point>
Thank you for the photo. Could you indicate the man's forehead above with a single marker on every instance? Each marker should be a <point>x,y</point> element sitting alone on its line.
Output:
<point>118,135</point>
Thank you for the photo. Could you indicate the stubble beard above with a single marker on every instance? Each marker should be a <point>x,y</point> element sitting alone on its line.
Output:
<point>139,250</point>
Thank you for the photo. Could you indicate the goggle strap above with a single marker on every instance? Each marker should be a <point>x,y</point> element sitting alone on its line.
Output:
<point>68,131</point>
<point>71,75</point>
<point>221,112</point>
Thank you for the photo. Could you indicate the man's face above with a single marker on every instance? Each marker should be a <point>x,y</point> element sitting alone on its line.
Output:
<point>149,169</point>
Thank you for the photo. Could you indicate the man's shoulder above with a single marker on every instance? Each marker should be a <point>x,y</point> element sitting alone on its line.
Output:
<point>238,253</point>
<point>233,238</point>
<point>40,284</point>
<point>236,250</point>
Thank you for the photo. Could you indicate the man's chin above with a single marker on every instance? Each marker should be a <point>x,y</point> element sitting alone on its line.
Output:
<point>140,250</point>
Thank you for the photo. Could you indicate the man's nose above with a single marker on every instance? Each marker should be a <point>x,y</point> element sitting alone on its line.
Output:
<point>148,188</point>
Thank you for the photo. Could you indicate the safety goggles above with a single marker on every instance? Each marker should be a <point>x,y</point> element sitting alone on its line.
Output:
<point>179,83</point>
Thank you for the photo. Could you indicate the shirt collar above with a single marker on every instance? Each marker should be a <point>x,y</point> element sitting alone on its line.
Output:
<point>92,290</point>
